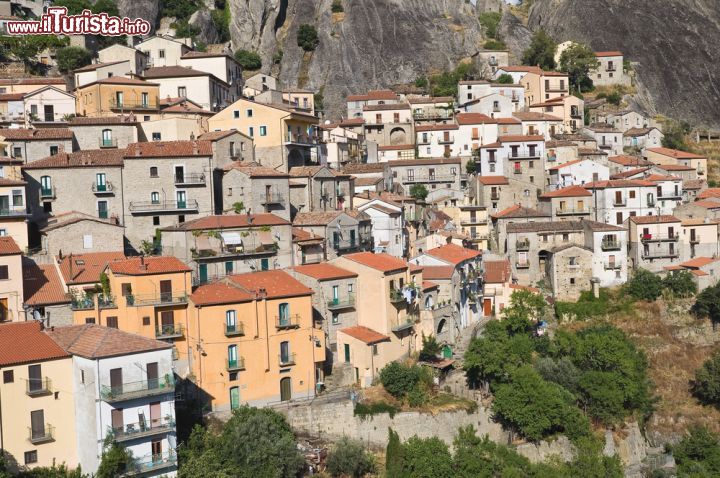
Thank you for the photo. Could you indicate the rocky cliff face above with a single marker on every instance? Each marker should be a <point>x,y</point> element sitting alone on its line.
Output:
<point>372,44</point>
<point>147,9</point>
<point>674,43</point>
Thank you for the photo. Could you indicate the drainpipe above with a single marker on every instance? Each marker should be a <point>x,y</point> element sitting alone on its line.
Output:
<point>282,147</point>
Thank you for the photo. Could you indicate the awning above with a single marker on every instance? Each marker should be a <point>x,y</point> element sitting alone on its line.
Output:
<point>231,238</point>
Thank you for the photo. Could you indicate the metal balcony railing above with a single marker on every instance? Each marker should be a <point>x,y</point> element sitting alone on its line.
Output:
<point>189,179</point>
<point>287,322</point>
<point>82,303</point>
<point>286,359</point>
<point>522,245</point>
<point>611,266</point>
<point>446,140</point>
<point>619,202</point>
<point>169,331</point>
<point>273,198</point>
<point>234,330</point>
<point>610,245</point>
<point>522,265</point>
<point>159,206</point>
<point>403,325</point>
<point>160,299</point>
<point>569,211</point>
<point>150,104</point>
<point>342,302</point>
<point>139,389</point>
<point>473,221</point>
<point>41,436</point>
<point>438,178</point>
<point>151,463</point>
<point>235,364</point>
<point>132,431</point>
<point>660,237</point>
<point>396,296</point>
<point>524,155</point>
<point>660,254</point>
<point>36,387</point>
<point>107,143</point>
<point>106,188</point>
<point>107,302</point>
<point>47,193</point>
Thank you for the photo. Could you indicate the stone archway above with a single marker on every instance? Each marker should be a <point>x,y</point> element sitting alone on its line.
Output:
<point>295,158</point>
<point>398,136</point>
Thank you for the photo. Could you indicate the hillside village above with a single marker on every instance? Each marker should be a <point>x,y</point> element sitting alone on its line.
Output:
<point>176,230</point>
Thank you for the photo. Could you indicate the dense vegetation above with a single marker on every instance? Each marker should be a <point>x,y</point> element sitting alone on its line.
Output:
<point>698,454</point>
<point>476,457</point>
<point>348,458</point>
<point>541,51</point>
<point>706,385</point>
<point>707,304</point>
<point>307,37</point>
<point>249,60</point>
<point>71,58</point>
<point>578,61</point>
<point>644,285</point>
<point>541,384</point>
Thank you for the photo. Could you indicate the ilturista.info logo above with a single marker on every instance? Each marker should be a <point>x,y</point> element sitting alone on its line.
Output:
<point>57,22</point>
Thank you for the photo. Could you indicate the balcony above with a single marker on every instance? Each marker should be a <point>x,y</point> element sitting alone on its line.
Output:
<point>151,463</point>
<point>517,171</point>
<point>694,240</point>
<point>234,330</point>
<point>82,303</point>
<point>572,211</point>
<point>610,245</point>
<point>424,141</point>
<point>660,254</point>
<point>102,189</point>
<point>345,245</point>
<point>524,155</point>
<point>620,202</point>
<point>45,435</point>
<point>107,143</point>
<point>396,296</point>
<point>432,114</point>
<point>190,179</point>
<point>139,207</point>
<point>610,68</point>
<point>437,178</point>
<point>107,302</point>
<point>477,237</point>
<point>522,245</point>
<point>161,299</point>
<point>660,237</point>
<point>133,431</point>
<point>494,197</point>
<point>235,365</point>
<point>669,196</point>
<point>556,89</point>
<point>287,322</point>
<point>446,140</point>
<point>37,387</point>
<point>515,99</point>
<point>342,303</point>
<point>474,221</point>
<point>285,360</point>
<point>612,266</point>
<point>14,211</point>
<point>403,325</point>
<point>272,198</point>
<point>300,139</point>
<point>133,105</point>
<point>134,390</point>
<point>47,193</point>
<point>169,331</point>
<point>522,265</point>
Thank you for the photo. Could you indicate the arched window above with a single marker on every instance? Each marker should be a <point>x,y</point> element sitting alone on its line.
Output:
<point>45,186</point>
<point>441,326</point>
<point>155,197</point>
<point>107,138</point>
<point>429,302</point>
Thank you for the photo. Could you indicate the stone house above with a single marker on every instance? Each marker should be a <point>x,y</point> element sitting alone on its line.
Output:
<point>307,247</point>
<point>389,124</point>
<point>223,66</point>
<point>258,188</point>
<point>98,71</point>
<point>569,271</point>
<point>334,300</point>
<point>560,152</point>
<point>611,70</point>
<point>201,87</point>
<point>443,173</point>
<point>389,234</point>
<point>441,304</point>
<point>494,193</point>
<point>319,188</point>
<point>340,145</point>
<point>164,50</point>
<point>673,157</point>
<point>33,144</point>
<point>626,120</point>
<point>655,241</point>
<point>608,138</point>
<point>511,215</point>
<point>622,163</point>
<point>641,138</point>
<point>258,83</point>
<point>217,246</point>
<point>137,59</point>
<point>230,147</point>
<point>356,103</point>
<point>117,131</point>
<point>570,203</point>
<point>431,110</point>
<point>705,271</point>
<point>78,233</point>
<point>340,230</point>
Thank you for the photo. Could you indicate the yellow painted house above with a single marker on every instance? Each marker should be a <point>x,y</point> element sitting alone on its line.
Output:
<point>284,135</point>
<point>253,340</point>
<point>117,95</point>
<point>37,411</point>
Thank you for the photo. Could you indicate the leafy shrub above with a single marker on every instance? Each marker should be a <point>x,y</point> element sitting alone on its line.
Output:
<point>505,79</point>
<point>249,60</point>
<point>337,6</point>
<point>180,9</point>
<point>277,56</point>
<point>363,410</point>
<point>307,37</point>
<point>426,458</point>
<point>417,397</point>
<point>698,454</point>
<point>490,22</point>
<point>644,285</point>
<point>419,191</point>
<point>399,379</point>
<point>421,82</point>
<point>72,57</point>
<point>680,283</point>
<point>494,45</point>
<point>541,51</point>
<point>706,385</point>
<point>349,458</point>
<point>561,371</point>
<point>184,30</point>
<point>707,304</point>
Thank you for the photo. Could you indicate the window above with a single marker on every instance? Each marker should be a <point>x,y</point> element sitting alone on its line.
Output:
<point>47,207</point>
<point>156,220</point>
<point>89,320</point>
<point>285,357</point>
<point>284,314</point>
<point>112,322</point>
<point>119,98</point>
<point>156,137</point>
<point>249,113</point>
<point>8,376</point>
<point>236,114</point>
<point>155,197</point>
<point>126,289</point>
<point>182,92</point>
<point>153,170</point>
<point>572,281</point>
<point>350,288</point>
<point>335,319</point>
<point>144,97</point>
<point>17,152</point>
<point>17,197</point>
<point>565,237</point>
<point>53,150</point>
<point>146,321</point>
<point>161,53</point>
<point>263,130</point>
<point>251,131</point>
<point>233,150</point>
<point>181,218</point>
<point>572,261</point>
<point>87,241</point>
<point>102,209</point>
<point>31,457</point>
<point>4,273</point>
<point>374,349</point>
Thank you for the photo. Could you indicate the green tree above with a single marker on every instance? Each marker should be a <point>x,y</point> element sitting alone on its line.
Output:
<point>253,443</point>
<point>578,61</point>
<point>505,79</point>
<point>430,348</point>
<point>307,37</point>
<point>337,6</point>
<point>348,458</point>
<point>71,58</point>
<point>471,166</point>
<point>426,458</point>
<point>221,21</point>
<point>524,307</point>
<point>399,379</point>
<point>680,283</point>
<point>706,385</point>
<point>494,45</point>
<point>26,48</point>
<point>644,285</point>
<point>394,456</point>
<point>698,454</point>
<point>114,461</point>
<point>481,457</point>
<point>490,22</point>
<point>180,9</point>
<point>707,304</point>
<point>561,371</point>
<point>249,60</point>
<point>589,461</point>
<point>674,134</point>
<point>541,51</point>
<point>421,82</point>
<point>419,191</point>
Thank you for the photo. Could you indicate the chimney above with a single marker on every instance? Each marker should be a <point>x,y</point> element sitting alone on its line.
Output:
<point>195,147</point>
<point>61,148</point>
<point>137,150</point>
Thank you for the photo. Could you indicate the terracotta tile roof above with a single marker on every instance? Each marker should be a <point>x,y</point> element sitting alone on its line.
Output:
<point>545,226</point>
<point>707,204</point>
<point>361,182</point>
<point>96,66</point>
<point>310,171</point>
<point>518,211</point>
<point>324,271</point>
<point>352,122</point>
<point>630,173</point>
<point>93,341</point>
<point>497,272</point>
<point>701,221</point>
<point>363,168</point>
<point>602,128</point>
<point>216,135</point>
<point>438,272</point>
<point>608,53</point>
<point>382,262</point>
<point>33,81</point>
<point>565,165</point>
<point>535,116</point>
<point>521,69</point>
<point>119,80</point>
<point>568,192</point>
<point>12,97</point>
<point>205,54</point>
<point>8,246</point>
<point>420,162</point>
<point>315,218</point>
<point>558,143</point>
<point>453,253</point>
<point>709,193</point>
<point>493,180</point>
<point>432,99</point>
<point>374,95</point>
<point>42,285</point>
<point>254,170</point>
<point>674,153</point>
<point>186,107</point>
<point>520,138</point>
<point>365,334</point>
<point>654,219</point>
<point>87,268</point>
<point>303,236</point>
<point>12,182</point>
<point>25,342</point>
<point>629,160</point>
<point>699,273</point>
<point>524,287</point>
<point>508,121</point>
<point>396,147</point>
<point>230,221</point>
<point>73,217</point>
<point>693,184</point>
<point>435,127</point>
<point>168,149</point>
<point>89,158</point>
<point>218,293</point>
<point>427,285</point>
<point>662,177</point>
<point>674,167</point>
<point>699,262</point>
<point>40,134</point>
<point>140,266</point>
<point>102,120</point>
<point>636,132</point>
<point>473,118</point>
<point>277,284</point>
<point>387,107</point>
<point>619,183</point>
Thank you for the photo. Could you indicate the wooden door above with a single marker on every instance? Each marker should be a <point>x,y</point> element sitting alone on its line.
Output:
<point>167,322</point>
<point>166,290</point>
<point>347,353</point>
<point>118,422</point>
<point>487,307</point>
<point>37,423</point>
<point>285,389</point>
<point>152,374</point>
<point>35,378</point>
<point>155,416</point>
<point>116,380</point>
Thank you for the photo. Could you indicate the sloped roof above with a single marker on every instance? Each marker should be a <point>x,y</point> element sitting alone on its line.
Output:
<point>8,246</point>
<point>277,284</point>
<point>382,262</point>
<point>654,219</point>
<point>96,66</point>
<point>520,138</point>
<point>92,341</point>
<point>103,120</point>
<point>218,293</point>
<point>230,221</point>
<point>608,53</point>
<point>518,211</point>
<point>168,149</point>
<point>438,272</point>
<point>365,334</point>
<point>39,134</point>
<point>625,160</point>
<point>140,266</point>
<point>535,116</point>
<point>87,268</point>
<point>473,118</point>
<point>674,153</point>
<point>324,271</point>
<point>25,342</point>
<point>493,180</point>
<point>570,191</point>
<point>88,158</point>
<point>497,272</point>
<point>453,253</point>
<point>315,218</point>
<point>42,285</point>
<point>709,193</point>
